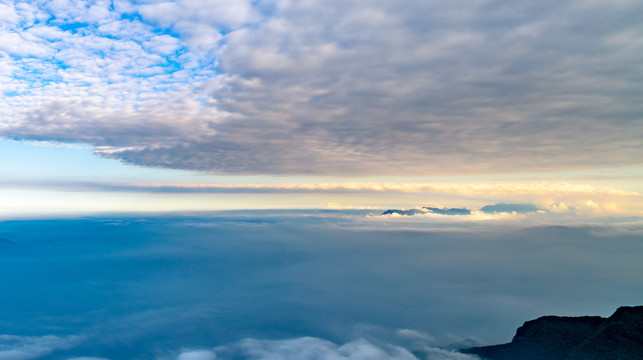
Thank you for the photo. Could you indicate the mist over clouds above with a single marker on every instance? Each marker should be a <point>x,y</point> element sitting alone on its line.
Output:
<point>344,88</point>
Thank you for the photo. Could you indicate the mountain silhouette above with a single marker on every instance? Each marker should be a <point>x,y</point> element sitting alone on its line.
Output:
<point>619,337</point>
<point>404,212</point>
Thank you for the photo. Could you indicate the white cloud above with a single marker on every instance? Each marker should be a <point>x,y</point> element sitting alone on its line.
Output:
<point>559,207</point>
<point>164,13</point>
<point>433,353</point>
<point>307,348</point>
<point>16,45</point>
<point>14,347</point>
<point>8,14</point>
<point>482,189</point>
<point>220,13</point>
<point>98,13</point>
<point>163,44</point>
<point>414,335</point>
<point>197,355</point>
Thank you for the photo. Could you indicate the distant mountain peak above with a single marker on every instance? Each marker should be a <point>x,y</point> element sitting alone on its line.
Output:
<point>509,208</point>
<point>430,210</point>
<point>404,212</point>
<point>449,211</point>
<point>488,209</point>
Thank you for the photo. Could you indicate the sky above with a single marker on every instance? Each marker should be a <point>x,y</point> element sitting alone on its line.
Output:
<point>207,179</point>
<point>120,105</point>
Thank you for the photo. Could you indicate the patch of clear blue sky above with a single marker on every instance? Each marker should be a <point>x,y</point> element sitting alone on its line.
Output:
<point>73,27</point>
<point>38,161</point>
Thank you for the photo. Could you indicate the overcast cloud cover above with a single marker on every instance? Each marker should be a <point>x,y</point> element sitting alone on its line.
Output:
<point>332,87</point>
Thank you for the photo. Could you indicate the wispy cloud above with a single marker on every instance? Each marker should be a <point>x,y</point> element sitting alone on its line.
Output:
<point>13,347</point>
<point>493,189</point>
<point>464,189</point>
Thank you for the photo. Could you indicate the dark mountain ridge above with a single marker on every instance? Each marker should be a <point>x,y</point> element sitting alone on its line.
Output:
<point>403,212</point>
<point>619,337</point>
<point>443,211</point>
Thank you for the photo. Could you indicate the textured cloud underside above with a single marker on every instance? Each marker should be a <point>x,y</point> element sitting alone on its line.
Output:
<point>345,88</point>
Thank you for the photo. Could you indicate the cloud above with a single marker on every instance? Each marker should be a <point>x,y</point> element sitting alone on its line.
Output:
<point>275,283</point>
<point>14,347</point>
<point>197,355</point>
<point>309,348</point>
<point>433,353</point>
<point>200,23</point>
<point>498,189</point>
<point>414,335</point>
<point>219,13</point>
<point>559,207</point>
<point>553,197</point>
<point>340,206</point>
<point>339,88</point>
<point>314,349</point>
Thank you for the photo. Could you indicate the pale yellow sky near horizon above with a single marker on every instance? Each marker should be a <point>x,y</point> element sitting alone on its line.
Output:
<point>55,180</point>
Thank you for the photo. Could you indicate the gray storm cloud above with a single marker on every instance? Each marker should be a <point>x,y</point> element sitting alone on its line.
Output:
<point>370,87</point>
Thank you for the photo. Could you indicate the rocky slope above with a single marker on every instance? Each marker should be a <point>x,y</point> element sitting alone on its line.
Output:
<point>619,337</point>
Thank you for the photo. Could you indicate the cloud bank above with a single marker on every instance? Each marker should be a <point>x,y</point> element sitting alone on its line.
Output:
<point>13,347</point>
<point>319,349</point>
<point>560,188</point>
<point>344,88</point>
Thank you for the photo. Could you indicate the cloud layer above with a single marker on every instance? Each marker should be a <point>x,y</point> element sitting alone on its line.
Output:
<point>310,348</point>
<point>13,347</point>
<point>271,285</point>
<point>314,349</point>
<point>346,88</point>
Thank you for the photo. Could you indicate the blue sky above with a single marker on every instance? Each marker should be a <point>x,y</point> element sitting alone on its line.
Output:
<point>358,95</point>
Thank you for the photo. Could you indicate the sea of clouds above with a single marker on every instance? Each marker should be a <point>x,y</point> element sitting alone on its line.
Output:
<point>296,284</point>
